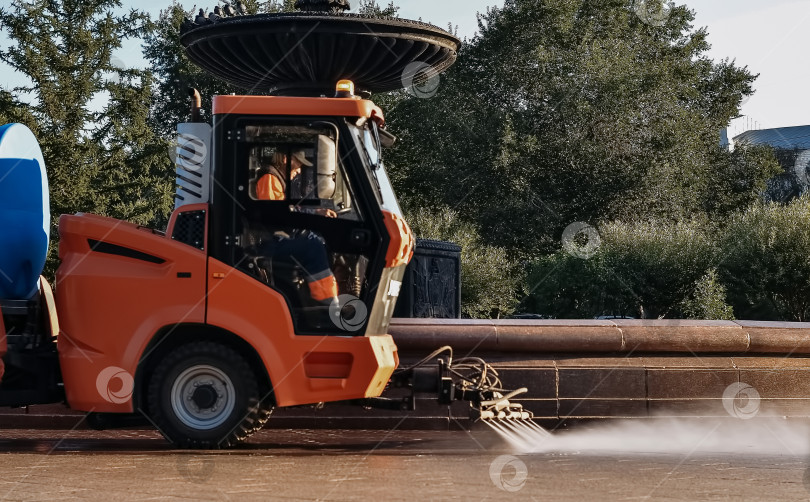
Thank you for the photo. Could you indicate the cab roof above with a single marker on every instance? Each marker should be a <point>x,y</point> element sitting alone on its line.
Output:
<point>284,105</point>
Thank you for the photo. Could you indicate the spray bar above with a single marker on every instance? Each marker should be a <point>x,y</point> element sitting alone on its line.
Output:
<point>468,379</point>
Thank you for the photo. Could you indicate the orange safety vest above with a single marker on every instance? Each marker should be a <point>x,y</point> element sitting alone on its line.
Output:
<point>270,187</point>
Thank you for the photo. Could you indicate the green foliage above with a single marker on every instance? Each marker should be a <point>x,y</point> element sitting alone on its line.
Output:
<point>740,179</point>
<point>175,74</point>
<point>490,277</point>
<point>708,301</point>
<point>565,286</point>
<point>794,177</point>
<point>654,265</point>
<point>756,267</point>
<point>270,6</point>
<point>106,162</point>
<point>765,262</point>
<point>372,8</point>
<point>11,110</point>
<point>562,111</point>
<point>643,270</point>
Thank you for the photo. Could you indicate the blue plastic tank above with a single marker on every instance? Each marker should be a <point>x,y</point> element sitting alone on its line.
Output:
<point>25,215</point>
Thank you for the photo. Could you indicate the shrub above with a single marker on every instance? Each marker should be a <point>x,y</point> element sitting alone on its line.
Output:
<point>766,261</point>
<point>708,300</point>
<point>643,269</point>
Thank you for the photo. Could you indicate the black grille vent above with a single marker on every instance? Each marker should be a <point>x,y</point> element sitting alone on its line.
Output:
<point>189,228</point>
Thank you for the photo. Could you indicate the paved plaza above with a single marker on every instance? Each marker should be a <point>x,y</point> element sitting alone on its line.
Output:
<point>375,465</point>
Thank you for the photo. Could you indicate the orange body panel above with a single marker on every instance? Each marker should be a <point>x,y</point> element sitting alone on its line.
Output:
<point>111,305</point>
<point>279,105</point>
<point>302,369</point>
<point>400,249</point>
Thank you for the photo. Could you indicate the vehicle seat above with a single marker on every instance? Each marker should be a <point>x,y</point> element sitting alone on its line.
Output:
<point>254,180</point>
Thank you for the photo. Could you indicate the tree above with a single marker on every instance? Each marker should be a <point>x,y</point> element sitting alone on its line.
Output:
<point>562,111</point>
<point>708,301</point>
<point>794,178</point>
<point>372,8</point>
<point>102,161</point>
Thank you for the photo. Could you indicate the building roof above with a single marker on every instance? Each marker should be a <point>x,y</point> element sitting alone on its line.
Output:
<point>780,137</point>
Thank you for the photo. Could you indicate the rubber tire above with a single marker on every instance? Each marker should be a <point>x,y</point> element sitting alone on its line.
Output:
<point>243,420</point>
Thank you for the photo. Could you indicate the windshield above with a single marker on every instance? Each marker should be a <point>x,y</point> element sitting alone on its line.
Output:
<point>365,143</point>
<point>389,200</point>
<point>371,147</point>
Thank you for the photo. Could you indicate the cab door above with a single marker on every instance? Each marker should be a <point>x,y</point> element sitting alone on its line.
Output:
<point>299,215</point>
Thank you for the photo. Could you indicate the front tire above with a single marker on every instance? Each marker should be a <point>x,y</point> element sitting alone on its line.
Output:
<point>204,395</point>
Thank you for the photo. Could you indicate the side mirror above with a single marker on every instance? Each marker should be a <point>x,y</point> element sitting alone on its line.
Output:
<point>387,138</point>
<point>377,143</point>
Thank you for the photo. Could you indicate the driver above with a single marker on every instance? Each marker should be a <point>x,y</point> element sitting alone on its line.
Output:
<point>305,249</point>
<point>273,186</point>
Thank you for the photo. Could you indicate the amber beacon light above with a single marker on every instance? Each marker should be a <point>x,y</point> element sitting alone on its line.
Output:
<point>344,89</point>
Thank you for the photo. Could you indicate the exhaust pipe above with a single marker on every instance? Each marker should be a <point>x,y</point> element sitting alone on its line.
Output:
<point>196,105</point>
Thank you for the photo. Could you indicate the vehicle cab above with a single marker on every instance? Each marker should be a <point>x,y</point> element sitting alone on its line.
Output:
<point>337,196</point>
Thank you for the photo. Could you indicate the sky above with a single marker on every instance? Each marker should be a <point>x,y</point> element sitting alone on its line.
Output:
<point>770,37</point>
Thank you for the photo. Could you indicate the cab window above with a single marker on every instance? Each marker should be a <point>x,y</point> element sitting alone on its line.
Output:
<point>298,165</point>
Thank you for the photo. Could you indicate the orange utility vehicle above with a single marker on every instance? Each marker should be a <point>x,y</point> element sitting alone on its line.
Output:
<point>192,325</point>
<point>204,328</point>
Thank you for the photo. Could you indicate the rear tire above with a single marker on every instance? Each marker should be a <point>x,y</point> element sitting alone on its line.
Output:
<point>204,395</point>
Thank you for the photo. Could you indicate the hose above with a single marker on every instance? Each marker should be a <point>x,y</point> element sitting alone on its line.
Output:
<point>504,398</point>
<point>433,354</point>
<point>474,373</point>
